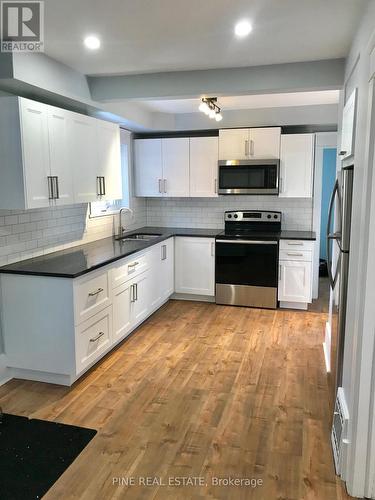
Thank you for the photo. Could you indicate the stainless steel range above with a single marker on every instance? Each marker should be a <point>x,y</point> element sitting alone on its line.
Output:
<point>247,255</point>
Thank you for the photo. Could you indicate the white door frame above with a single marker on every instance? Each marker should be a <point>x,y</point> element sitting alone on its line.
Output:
<point>323,140</point>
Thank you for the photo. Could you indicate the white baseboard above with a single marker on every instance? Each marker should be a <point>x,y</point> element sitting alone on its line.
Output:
<point>5,373</point>
<point>303,306</point>
<point>188,296</point>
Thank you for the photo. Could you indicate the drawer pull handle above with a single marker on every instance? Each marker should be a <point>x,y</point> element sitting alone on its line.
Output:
<point>99,290</point>
<point>134,264</point>
<point>295,244</point>
<point>95,339</point>
<point>295,254</point>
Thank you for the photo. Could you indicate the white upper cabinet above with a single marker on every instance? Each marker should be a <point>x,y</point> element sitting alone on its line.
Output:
<point>109,157</point>
<point>61,182</point>
<point>175,155</point>
<point>234,144</point>
<point>84,158</point>
<point>249,143</point>
<point>348,126</point>
<point>203,166</point>
<point>296,165</point>
<point>264,143</point>
<point>55,157</point>
<point>35,152</point>
<point>148,167</point>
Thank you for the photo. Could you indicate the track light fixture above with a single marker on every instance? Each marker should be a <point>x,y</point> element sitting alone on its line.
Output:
<point>209,107</point>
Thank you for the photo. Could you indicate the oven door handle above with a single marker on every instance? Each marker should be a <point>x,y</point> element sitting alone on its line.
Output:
<point>248,242</point>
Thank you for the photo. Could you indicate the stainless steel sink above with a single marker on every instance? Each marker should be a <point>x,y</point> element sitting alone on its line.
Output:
<point>138,236</point>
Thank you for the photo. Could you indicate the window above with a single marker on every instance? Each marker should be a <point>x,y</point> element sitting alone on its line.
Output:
<point>111,207</point>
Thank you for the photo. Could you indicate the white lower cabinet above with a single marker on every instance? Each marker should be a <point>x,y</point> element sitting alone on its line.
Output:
<point>195,265</point>
<point>295,274</point>
<point>69,324</point>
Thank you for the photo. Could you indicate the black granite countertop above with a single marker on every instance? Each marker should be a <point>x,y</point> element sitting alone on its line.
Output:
<point>76,261</point>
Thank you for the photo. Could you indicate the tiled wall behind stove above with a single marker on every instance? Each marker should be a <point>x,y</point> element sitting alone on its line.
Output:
<point>26,234</point>
<point>208,212</point>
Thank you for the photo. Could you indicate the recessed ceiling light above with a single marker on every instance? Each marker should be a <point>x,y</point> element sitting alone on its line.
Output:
<point>242,28</point>
<point>92,42</point>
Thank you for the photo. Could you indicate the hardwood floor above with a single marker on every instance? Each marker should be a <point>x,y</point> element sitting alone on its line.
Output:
<point>205,391</point>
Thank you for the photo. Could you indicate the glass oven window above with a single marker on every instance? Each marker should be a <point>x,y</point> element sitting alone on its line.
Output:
<point>248,177</point>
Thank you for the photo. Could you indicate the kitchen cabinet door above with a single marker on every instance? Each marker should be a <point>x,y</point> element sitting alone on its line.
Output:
<point>122,321</point>
<point>175,155</point>
<point>140,298</point>
<point>109,160</point>
<point>83,157</point>
<point>296,165</point>
<point>295,281</point>
<point>234,144</point>
<point>195,266</point>
<point>264,143</point>
<point>35,149</point>
<point>203,166</point>
<point>348,127</point>
<point>60,166</point>
<point>167,269</point>
<point>148,167</point>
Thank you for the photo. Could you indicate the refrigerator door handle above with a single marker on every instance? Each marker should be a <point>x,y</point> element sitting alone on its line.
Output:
<point>333,236</point>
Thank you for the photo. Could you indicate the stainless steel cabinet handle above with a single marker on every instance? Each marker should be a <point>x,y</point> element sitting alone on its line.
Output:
<point>164,252</point>
<point>295,244</point>
<point>281,185</point>
<point>133,264</point>
<point>98,186</point>
<point>96,292</point>
<point>95,339</point>
<point>160,189</point>
<point>136,291</point>
<point>295,254</point>
<point>246,147</point>
<point>50,187</point>
<point>251,147</point>
<point>215,186</point>
<point>280,272</point>
<point>212,249</point>
<point>165,185</point>
<point>56,187</point>
<point>103,186</point>
<point>132,293</point>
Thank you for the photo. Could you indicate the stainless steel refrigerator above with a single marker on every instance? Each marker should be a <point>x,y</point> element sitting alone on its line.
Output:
<point>340,208</point>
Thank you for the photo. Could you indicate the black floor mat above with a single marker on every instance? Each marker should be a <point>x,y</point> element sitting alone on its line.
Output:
<point>34,454</point>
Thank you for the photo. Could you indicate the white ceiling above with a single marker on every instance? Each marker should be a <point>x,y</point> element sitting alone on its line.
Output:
<point>140,36</point>
<point>245,101</point>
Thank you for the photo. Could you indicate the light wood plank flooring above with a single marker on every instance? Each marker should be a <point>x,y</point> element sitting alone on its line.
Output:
<point>199,390</point>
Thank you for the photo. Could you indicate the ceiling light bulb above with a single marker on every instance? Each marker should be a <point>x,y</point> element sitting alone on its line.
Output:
<point>92,42</point>
<point>212,113</point>
<point>218,117</point>
<point>203,107</point>
<point>242,28</point>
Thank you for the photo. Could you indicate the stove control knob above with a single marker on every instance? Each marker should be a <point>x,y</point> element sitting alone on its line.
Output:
<point>268,216</point>
<point>236,216</point>
<point>229,216</point>
<point>275,216</point>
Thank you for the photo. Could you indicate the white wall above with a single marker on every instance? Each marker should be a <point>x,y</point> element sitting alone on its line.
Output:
<point>358,358</point>
<point>203,212</point>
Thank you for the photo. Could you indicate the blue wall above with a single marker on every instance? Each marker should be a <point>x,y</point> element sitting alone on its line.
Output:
<point>328,181</point>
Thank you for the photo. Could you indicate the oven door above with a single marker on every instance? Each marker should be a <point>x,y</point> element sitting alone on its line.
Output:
<point>247,272</point>
<point>249,177</point>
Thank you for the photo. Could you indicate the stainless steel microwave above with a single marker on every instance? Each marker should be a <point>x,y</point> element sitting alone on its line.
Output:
<point>249,176</point>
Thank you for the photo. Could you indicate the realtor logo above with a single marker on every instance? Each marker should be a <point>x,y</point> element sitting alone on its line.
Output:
<point>22,26</point>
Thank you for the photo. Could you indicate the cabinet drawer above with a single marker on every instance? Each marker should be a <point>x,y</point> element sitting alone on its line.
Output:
<point>297,245</point>
<point>91,295</point>
<point>129,268</point>
<point>93,338</point>
<point>295,254</point>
